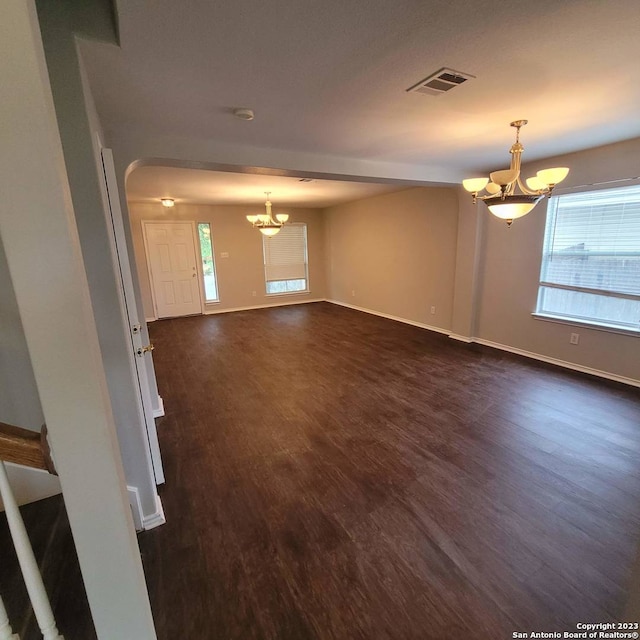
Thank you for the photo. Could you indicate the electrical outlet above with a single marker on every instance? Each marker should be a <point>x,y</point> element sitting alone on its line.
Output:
<point>353,293</point>
<point>224,254</point>
<point>575,338</point>
<point>433,310</point>
<point>253,293</point>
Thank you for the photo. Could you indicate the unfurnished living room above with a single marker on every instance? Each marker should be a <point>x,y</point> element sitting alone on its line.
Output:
<point>319,320</point>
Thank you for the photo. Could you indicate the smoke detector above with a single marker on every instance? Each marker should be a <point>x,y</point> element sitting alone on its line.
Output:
<point>244,114</point>
<point>440,82</point>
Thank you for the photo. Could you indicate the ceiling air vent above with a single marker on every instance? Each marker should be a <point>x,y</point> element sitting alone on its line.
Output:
<point>440,82</point>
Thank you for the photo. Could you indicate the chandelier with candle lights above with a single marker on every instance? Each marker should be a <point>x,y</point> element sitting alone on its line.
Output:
<point>501,196</point>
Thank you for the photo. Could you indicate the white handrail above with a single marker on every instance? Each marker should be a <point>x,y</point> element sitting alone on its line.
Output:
<point>6,633</point>
<point>28,564</point>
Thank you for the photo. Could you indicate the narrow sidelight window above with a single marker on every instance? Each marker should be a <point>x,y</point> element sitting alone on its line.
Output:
<point>208,263</point>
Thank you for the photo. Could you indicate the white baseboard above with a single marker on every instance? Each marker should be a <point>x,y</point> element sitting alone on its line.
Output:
<point>459,338</point>
<point>159,412</point>
<point>288,303</point>
<point>560,363</point>
<point>155,519</point>
<point>140,521</point>
<point>150,319</point>
<point>136,507</point>
<point>390,317</point>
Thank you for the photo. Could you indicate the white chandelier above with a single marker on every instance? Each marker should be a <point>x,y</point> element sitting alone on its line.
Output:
<point>501,198</point>
<point>265,221</point>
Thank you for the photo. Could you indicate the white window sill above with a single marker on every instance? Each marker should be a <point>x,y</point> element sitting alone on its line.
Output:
<point>589,325</point>
<point>288,293</point>
<point>206,302</point>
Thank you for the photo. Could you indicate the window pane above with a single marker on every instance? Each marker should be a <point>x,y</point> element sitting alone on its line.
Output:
<point>579,267</point>
<point>589,306</point>
<point>208,267</point>
<point>286,286</point>
<point>285,259</point>
<point>592,241</point>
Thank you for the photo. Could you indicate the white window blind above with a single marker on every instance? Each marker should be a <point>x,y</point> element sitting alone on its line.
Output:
<point>285,254</point>
<point>591,258</point>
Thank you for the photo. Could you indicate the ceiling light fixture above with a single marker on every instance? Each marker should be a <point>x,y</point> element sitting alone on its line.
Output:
<point>167,202</point>
<point>265,221</point>
<point>501,198</point>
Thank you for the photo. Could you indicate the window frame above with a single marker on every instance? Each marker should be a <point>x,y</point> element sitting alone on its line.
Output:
<point>213,261</point>
<point>306,290</point>
<point>581,321</point>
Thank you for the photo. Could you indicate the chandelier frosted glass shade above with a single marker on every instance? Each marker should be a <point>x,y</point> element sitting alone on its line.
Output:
<point>553,176</point>
<point>504,177</point>
<point>511,207</point>
<point>475,184</point>
<point>265,222</point>
<point>501,197</point>
<point>269,230</point>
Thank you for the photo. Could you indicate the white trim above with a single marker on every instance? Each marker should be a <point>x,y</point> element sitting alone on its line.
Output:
<point>159,412</point>
<point>136,507</point>
<point>390,317</point>
<point>303,292</point>
<point>140,521</point>
<point>466,339</point>
<point>560,363</point>
<point>129,309</point>
<point>263,306</point>
<point>155,519</point>
<point>625,331</point>
<point>153,319</point>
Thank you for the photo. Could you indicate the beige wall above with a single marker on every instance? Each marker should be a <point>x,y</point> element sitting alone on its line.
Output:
<point>404,252</point>
<point>510,266</point>
<point>395,254</point>
<point>242,272</point>
<point>401,253</point>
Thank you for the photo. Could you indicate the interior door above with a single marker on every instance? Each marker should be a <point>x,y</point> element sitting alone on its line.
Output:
<point>139,350</point>
<point>171,256</point>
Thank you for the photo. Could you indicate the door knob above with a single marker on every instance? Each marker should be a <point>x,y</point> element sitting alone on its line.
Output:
<point>142,350</point>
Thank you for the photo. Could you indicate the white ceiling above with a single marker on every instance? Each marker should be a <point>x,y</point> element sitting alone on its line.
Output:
<point>149,184</point>
<point>329,77</point>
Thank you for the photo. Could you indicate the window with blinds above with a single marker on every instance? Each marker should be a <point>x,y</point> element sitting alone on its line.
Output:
<point>591,258</point>
<point>285,259</point>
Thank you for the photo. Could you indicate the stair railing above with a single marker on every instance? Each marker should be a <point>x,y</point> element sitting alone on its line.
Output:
<point>30,449</point>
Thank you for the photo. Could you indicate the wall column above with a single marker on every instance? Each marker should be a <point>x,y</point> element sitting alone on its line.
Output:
<point>37,227</point>
<point>468,256</point>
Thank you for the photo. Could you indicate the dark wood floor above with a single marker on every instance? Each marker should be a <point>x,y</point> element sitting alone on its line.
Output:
<point>334,475</point>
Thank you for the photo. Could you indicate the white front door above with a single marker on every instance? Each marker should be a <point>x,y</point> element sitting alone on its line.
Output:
<point>173,268</point>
